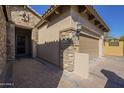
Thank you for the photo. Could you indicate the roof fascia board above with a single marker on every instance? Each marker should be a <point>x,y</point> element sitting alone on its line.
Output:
<point>47,13</point>
<point>90,8</point>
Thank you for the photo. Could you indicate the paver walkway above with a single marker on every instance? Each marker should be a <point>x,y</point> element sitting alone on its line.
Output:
<point>28,72</point>
<point>31,73</point>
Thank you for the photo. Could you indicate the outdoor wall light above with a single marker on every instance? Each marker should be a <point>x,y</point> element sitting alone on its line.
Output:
<point>79,27</point>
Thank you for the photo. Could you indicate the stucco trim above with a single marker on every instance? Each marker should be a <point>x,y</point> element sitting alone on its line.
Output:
<point>73,29</point>
<point>89,29</point>
<point>68,29</point>
<point>85,27</point>
<point>24,27</point>
<point>89,35</point>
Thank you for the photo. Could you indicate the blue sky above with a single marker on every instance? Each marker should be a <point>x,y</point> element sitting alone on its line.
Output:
<point>112,15</point>
<point>40,8</point>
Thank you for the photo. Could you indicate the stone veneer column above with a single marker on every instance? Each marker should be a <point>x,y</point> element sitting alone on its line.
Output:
<point>34,42</point>
<point>10,41</point>
<point>68,47</point>
<point>101,42</point>
<point>2,40</point>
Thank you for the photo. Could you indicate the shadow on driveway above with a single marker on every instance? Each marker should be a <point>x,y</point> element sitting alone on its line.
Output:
<point>29,73</point>
<point>114,81</point>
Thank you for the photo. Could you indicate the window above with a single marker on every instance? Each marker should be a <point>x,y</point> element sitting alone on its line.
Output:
<point>114,43</point>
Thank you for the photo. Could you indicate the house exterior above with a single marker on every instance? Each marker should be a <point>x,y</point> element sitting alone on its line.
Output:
<point>54,36</point>
<point>58,39</point>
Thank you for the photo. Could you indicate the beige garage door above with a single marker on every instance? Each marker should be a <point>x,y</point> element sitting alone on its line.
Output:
<point>89,45</point>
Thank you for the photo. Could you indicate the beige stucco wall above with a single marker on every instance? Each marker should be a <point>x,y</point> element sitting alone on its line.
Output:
<point>81,65</point>
<point>2,40</point>
<point>114,50</point>
<point>48,37</point>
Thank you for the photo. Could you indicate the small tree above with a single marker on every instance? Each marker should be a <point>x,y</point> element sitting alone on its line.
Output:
<point>122,38</point>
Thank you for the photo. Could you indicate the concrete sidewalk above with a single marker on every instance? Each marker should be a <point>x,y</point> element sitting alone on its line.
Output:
<point>108,73</point>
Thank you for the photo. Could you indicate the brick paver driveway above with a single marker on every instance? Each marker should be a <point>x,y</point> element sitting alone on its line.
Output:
<point>108,72</point>
<point>31,73</point>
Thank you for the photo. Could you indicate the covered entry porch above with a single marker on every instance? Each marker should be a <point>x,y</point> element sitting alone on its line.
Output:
<point>20,42</point>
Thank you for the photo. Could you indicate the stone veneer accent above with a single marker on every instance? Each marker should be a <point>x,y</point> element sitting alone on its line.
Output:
<point>10,41</point>
<point>2,40</point>
<point>68,46</point>
<point>23,16</point>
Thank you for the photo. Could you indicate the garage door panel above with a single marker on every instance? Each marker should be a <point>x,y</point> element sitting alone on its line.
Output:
<point>89,45</point>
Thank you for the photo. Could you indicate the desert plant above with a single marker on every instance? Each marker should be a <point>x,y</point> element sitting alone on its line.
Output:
<point>122,38</point>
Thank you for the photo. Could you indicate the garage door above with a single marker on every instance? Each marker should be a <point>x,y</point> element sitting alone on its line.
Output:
<point>89,45</point>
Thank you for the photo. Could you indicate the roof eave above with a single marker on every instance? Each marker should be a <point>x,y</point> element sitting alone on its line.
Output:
<point>93,11</point>
<point>46,14</point>
<point>90,8</point>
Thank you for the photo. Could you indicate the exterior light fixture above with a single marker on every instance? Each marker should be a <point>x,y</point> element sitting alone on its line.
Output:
<point>79,27</point>
<point>76,34</point>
